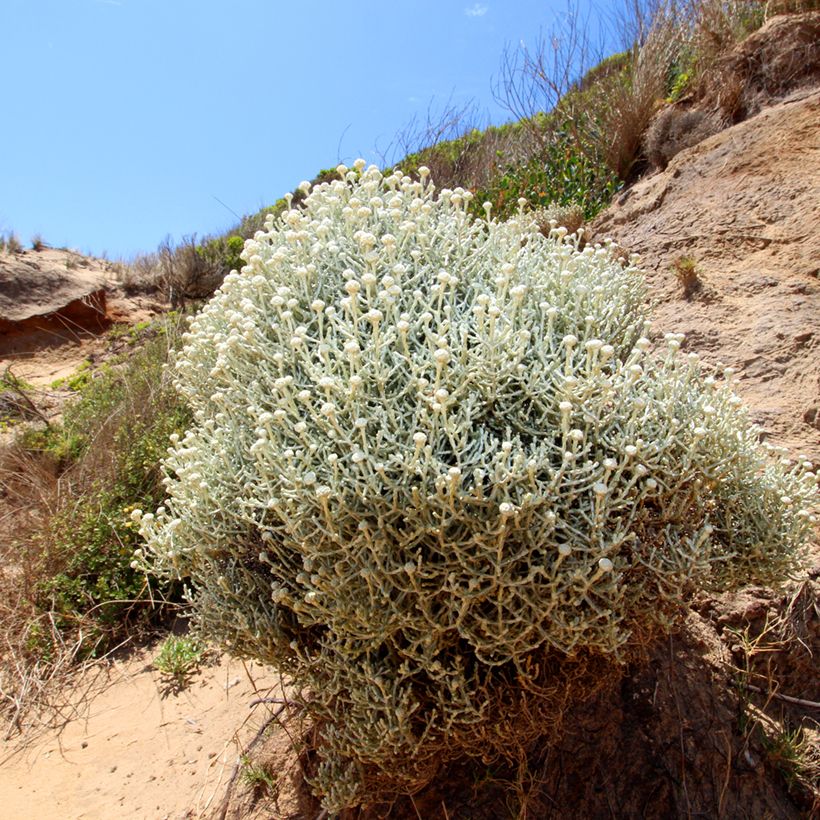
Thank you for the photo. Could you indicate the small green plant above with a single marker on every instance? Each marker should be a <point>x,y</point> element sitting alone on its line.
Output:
<point>118,331</point>
<point>179,657</point>
<point>679,86</point>
<point>61,445</point>
<point>793,754</point>
<point>257,775</point>
<point>686,271</point>
<point>8,381</point>
<point>77,380</point>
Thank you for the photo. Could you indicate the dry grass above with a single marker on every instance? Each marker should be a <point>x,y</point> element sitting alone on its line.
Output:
<point>570,217</point>
<point>629,102</point>
<point>775,662</point>
<point>675,129</point>
<point>179,273</point>
<point>10,243</point>
<point>686,271</point>
<point>738,80</point>
<point>28,495</point>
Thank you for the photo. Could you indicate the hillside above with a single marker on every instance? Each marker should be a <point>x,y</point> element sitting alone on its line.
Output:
<point>719,720</point>
<point>742,205</point>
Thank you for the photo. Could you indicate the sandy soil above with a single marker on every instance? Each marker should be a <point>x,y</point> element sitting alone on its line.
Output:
<point>138,749</point>
<point>55,308</point>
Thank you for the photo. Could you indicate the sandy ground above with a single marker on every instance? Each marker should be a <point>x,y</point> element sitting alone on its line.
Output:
<point>138,750</point>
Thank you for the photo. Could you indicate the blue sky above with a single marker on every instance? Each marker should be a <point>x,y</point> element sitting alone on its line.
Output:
<point>126,120</point>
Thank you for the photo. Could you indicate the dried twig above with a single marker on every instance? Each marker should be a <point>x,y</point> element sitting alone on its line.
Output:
<point>810,704</point>
<point>17,386</point>
<point>223,810</point>
<point>283,701</point>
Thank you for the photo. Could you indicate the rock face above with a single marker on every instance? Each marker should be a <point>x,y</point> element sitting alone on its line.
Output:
<point>49,293</point>
<point>742,205</point>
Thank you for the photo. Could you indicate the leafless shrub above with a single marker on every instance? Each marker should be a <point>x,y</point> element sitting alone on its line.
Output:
<point>450,122</point>
<point>186,273</point>
<point>178,272</point>
<point>141,274</point>
<point>607,114</point>
<point>533,80</point>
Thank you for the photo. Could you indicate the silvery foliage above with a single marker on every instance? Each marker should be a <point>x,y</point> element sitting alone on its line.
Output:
<point>428,449</point>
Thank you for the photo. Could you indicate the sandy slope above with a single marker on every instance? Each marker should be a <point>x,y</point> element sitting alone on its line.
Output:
<point>744,206</point>
<point>138,750</point>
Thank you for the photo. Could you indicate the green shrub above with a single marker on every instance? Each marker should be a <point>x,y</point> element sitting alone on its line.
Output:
<point>561,176</point>
<point>223,252</point>
<point>431,456</point>
<point>63,446</point>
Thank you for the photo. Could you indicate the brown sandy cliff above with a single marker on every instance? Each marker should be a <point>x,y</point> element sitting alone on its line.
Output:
<point>744,204</point>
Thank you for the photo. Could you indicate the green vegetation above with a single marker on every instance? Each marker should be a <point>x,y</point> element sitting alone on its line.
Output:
<point>103,462</point>
<point>80,377</point>
<point>106,454</point>
<point>564,177</point>
<point>257,775</point>
<point>222,251</point>
<point>179,657</point>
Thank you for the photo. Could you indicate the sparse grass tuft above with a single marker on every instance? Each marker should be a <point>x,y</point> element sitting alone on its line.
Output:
<point>257,776</point>
<point>794,755</point>
<point>13,243</point>
<point>774,660</point>
<point>686,270</point>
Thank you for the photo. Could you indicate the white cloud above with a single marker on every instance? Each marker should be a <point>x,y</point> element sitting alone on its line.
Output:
<point>477,10</point>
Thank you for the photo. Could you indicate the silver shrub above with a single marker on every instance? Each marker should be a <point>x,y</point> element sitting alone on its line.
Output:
<point>430,452</point>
